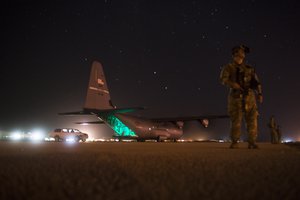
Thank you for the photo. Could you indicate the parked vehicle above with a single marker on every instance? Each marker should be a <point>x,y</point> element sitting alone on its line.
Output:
<point>68,134</point>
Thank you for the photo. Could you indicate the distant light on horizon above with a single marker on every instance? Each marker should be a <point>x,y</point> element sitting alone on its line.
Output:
<point>16,135</point>
<point>37,135</point>
<point>287,140</point>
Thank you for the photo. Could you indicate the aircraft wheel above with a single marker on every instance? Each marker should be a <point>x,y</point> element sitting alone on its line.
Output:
<point>83,140</point>
<point>159,139</point>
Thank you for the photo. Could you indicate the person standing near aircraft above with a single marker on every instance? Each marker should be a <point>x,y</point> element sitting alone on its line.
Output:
<point>278,131</point>
<point>244,88</point>
<point>273,132</point>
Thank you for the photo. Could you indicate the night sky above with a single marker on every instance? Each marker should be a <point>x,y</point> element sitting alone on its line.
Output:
<point>164,55</point>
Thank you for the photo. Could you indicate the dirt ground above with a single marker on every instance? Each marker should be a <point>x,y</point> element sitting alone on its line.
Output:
<point>99,170</point>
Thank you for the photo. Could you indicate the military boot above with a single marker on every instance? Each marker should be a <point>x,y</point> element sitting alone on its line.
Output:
<point>234,145</point>
<point>252,146</point>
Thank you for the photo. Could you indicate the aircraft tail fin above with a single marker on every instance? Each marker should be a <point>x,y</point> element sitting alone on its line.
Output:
<point>98,96</point>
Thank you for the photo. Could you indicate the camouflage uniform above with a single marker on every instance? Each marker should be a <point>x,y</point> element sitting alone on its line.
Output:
<point>242,102</point>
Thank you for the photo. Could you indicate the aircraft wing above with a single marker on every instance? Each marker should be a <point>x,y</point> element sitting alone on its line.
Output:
<point>190,118</point>
<point>88,111</point>
<point>203,119</point>
<point>114,110</point>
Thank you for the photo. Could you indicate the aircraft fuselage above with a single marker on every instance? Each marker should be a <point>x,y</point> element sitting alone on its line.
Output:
<point>142,129</point>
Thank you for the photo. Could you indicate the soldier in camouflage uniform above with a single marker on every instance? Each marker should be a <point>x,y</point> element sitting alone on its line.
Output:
<point>279,136</point>
<point>244,88</point>
<point>273,132</point>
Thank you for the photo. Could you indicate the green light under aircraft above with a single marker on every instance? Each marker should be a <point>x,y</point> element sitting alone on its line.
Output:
<point>119,127</point>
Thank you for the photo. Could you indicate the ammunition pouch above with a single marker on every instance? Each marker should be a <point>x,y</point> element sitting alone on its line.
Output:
<point>238,93</point>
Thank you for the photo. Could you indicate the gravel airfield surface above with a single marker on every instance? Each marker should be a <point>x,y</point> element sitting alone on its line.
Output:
<point>51,170</point>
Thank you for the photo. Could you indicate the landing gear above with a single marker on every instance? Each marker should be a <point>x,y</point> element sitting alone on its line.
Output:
<point>160,139</point>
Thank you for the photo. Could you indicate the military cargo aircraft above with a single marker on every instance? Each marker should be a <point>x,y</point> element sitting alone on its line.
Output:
<point>98,103</point>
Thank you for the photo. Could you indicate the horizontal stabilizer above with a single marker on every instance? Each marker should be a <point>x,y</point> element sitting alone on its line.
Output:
<point>75,113</point>
<point>90,123</point>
